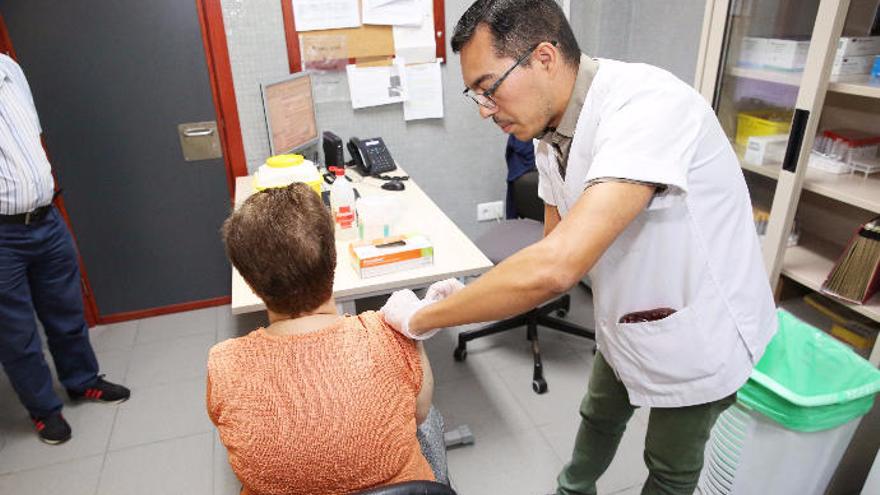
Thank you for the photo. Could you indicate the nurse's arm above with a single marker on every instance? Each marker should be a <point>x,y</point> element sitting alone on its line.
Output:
<point>551,218</point>
<point>547,268</point>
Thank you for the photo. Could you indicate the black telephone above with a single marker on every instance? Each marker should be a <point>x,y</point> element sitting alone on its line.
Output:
<point>371,156</point>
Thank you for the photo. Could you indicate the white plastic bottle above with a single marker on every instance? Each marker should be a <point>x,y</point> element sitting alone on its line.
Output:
<point>342,206</point>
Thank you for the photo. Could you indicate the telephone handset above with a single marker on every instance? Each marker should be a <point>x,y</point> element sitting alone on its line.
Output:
<point>371,156</point>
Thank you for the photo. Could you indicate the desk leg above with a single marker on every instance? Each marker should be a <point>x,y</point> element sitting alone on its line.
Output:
<point>346,307</point>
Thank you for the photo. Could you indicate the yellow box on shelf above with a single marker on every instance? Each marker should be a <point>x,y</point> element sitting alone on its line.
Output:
<point>391,254</point>
<point>761,123</point>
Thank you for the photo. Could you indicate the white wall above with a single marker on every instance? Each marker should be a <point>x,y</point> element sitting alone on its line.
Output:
<point>665,33</point>
<point>458,161</point>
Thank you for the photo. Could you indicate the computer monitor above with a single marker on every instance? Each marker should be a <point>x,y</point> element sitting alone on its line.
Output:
<point>289,105</point>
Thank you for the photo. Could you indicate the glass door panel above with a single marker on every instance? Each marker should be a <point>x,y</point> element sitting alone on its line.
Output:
<point>764,56</point>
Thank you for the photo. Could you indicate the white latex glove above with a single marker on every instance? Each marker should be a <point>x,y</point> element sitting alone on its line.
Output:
<point>443,289</point>
<point>398,310</point>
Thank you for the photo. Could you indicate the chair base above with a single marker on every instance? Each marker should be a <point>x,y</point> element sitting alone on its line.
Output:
<point>540,316</point>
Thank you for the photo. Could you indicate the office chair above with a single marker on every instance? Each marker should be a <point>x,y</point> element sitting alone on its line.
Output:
<point>501,241</point>
<point>410,488</point>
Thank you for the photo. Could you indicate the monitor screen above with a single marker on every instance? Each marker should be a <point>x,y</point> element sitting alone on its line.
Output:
<point>290,113</point>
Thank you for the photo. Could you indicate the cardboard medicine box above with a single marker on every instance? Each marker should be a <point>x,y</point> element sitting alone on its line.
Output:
<point>391,254</point>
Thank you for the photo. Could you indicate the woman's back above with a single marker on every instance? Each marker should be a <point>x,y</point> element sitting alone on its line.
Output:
<point>332,411</point>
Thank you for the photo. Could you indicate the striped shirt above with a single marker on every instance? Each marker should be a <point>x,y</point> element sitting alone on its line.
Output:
<point>26,180</point>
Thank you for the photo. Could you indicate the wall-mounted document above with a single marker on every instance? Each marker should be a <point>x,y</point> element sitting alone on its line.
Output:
<point>374,86</point>
<point>417,44</point>
<point>311,15</point>
<point>392,12</point>
<point>424,84</point>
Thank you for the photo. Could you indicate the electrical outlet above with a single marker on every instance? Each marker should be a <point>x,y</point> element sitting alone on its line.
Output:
<point>490,211</point>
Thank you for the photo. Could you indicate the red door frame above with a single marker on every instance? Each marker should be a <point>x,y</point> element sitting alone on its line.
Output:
<point>223,92</point>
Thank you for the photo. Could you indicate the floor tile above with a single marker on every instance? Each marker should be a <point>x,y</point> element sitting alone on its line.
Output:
<point>179,466</point>
<point>169,361</point>
<point>91,424</point>
<point>446,369</point>
<point>520,464</point>
<point>162,412</point>
<point>225,482</point>
<point>76,477</point>
<point>567,376</point>
<point>114,364</point>
<point>483,403</point>
<point>626,470</point>
<point>231,326</point>
<point>633,490</point>
<point>176,325</point>
<point>114,337</point>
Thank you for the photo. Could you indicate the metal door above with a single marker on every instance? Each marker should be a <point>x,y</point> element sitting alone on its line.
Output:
<point>112,81</point>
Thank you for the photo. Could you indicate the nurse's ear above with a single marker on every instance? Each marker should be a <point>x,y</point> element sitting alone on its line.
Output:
<point>548,58</point>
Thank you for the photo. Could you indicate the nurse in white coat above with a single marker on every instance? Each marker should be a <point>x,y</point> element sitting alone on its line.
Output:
<point>643,191</point>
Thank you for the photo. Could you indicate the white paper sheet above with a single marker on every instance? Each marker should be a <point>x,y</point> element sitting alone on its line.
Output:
<point>374,86</point>
<point>392,12</point>
<point>311,15</point>
<point>417,44</point>
<point>424,84</point>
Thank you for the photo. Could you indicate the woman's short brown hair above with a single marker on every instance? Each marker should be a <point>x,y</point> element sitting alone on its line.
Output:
<point>281,241</point>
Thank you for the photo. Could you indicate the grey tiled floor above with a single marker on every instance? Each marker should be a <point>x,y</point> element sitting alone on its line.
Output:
<point>161,441</point>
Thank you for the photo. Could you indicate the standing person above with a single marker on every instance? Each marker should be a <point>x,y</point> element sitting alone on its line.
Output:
<point>643,191</point>
<point>39,272</point>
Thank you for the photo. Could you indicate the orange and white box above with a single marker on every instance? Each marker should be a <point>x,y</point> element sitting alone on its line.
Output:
<point>391,254</point>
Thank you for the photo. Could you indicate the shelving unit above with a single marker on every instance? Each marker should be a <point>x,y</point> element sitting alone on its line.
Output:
<point>732,88</point>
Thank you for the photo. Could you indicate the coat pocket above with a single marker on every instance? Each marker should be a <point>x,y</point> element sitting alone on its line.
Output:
<point>674,350</point>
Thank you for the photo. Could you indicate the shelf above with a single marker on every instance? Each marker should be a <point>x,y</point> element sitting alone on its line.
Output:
<point>855,85</point>
<point>810,265</point>
<point>852,189</point>
<point>776,76</point>
<point>858,85</point>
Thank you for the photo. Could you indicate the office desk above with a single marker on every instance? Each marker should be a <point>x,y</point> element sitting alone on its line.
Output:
<point>454,253</point>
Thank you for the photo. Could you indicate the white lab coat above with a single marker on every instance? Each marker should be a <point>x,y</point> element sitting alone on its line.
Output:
<point>694,248</point>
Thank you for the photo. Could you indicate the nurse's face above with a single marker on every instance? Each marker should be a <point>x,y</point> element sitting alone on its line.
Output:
<point>522,102</point>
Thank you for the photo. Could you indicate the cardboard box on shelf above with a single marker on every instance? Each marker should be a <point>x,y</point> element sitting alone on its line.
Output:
<point>850,66</point>
<point>774,53</point>
<point>764,150</point>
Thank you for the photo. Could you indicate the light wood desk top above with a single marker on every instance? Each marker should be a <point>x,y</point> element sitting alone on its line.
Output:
<point>454,253</point>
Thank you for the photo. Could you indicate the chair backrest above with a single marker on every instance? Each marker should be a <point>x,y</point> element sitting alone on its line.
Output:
<point>525,197</point>
<point>410,488</point>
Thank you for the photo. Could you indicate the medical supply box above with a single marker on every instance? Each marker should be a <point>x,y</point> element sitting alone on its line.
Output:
<point>761,123</point>
<point>391,254</point>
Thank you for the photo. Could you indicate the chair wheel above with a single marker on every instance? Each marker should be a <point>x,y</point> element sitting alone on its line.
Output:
<point>460,354</point>
<point>539,386</point>
<point>562,313</point>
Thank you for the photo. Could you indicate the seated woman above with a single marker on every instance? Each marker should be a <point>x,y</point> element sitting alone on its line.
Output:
<point>316,402</point>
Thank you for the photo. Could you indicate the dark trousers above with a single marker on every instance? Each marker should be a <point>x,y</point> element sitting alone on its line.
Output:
<point>673,446</point>
<point>39,272</point>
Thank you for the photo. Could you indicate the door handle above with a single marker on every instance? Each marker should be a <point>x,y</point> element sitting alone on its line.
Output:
<point>198,132</point>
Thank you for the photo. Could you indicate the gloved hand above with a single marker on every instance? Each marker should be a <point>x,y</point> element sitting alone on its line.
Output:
<point>398,310</point>
<point>443,289</point>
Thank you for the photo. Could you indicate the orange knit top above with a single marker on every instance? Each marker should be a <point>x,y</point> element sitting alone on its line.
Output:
<point>329,412</point>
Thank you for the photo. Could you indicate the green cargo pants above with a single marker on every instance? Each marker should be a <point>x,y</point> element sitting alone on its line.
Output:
<point>673,446</point>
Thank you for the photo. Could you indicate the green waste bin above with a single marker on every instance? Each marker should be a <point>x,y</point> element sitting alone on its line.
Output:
<point>794,417</point>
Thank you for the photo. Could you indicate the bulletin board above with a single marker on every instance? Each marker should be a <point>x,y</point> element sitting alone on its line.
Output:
<point>362,43</point>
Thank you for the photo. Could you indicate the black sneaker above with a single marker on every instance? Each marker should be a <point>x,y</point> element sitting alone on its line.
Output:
<point>52,429</point>
<point>102,391</point>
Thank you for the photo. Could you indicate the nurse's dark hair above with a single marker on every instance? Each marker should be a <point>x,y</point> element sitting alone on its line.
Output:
<point>516,26</point>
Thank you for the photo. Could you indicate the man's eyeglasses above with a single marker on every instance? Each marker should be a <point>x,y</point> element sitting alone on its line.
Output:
<point>485,99</point>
